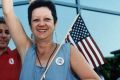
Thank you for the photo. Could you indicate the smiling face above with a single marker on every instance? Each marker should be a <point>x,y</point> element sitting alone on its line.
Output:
<point>42,23</point>
<point>4,36</point>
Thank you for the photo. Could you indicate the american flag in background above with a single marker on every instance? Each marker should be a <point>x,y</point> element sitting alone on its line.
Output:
<point>80,37</point>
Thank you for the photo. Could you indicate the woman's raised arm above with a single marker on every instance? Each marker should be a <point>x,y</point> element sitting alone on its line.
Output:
<point>17,32</point>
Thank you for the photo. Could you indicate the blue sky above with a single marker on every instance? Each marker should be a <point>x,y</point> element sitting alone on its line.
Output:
<point>103,27</point>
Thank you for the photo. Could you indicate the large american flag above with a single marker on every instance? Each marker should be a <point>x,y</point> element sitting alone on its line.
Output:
<point>80,37</point>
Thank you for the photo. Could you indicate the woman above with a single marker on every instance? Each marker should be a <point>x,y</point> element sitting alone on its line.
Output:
<point>36,57</point>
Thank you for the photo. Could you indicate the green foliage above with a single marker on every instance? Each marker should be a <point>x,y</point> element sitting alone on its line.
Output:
<point>111,69</point>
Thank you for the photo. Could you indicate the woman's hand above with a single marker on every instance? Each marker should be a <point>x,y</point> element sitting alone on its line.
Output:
<point>17,32</point>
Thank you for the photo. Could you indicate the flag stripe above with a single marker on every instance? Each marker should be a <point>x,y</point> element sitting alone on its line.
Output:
<point>80,49</point>
<point>83,44</point>
<point>67,39</point>
<point>93,49</point>
<point>90,52</point>
<point>98,52</point>
<point>86,54</point>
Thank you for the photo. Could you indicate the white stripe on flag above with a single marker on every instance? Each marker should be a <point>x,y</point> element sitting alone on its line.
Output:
<point>84,52</point>
<point>96,51</point>
<point>91,53</point>
<point>86,55</point>
<point>71,40</point>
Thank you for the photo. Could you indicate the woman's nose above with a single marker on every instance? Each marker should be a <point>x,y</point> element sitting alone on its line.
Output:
<point>41,23</point>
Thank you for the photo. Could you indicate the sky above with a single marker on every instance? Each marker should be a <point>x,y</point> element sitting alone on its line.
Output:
<point>103,27</point>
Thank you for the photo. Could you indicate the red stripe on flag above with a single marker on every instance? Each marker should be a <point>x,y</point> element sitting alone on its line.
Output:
<point>88,54</point>
<point>100,53</point>
<point>94,53</point>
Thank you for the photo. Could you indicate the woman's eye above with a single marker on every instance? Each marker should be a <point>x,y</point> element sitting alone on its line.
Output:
<point>1,31</point>
<point>47,19</point>
<point>7,32</point>
<point>36,20</point>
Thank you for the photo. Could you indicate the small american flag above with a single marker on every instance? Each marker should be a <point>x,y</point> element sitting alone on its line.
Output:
<point>80,37</point>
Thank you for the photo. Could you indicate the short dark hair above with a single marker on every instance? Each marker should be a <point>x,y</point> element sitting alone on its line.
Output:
<point>42,3</point>
<point>2,20</point>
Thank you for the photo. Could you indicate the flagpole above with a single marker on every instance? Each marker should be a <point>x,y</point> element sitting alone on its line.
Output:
<point>43,75</point>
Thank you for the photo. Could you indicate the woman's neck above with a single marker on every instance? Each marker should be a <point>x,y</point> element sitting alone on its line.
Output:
<point>45,54</point>
<point>44,46</point>
<point>44,43</point>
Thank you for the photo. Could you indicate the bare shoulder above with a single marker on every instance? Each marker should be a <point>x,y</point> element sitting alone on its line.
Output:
<point>80,66</point>
<point>76,55</point>
<point>75,52</point>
